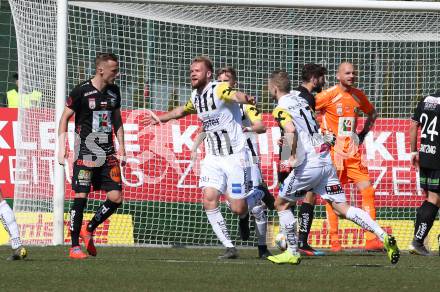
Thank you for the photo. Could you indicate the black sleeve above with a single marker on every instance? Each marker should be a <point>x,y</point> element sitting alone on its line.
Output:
<point>310,100</point>
<point>74,99</point>
<point>418,112</point>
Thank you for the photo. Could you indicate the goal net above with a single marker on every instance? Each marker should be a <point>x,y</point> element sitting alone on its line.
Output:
<point>396,54</point>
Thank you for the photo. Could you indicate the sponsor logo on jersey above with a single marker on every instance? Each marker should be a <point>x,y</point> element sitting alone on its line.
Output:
<point>92,103</point>
<point>211,123</point>
<point>347,125</point>
<point>429,106</point>
<point>90,92</point>
<point>334,189</point>
<point>102,121</point>
<point>84,175</point>
<point>428,149</point>
<point>339,111</point>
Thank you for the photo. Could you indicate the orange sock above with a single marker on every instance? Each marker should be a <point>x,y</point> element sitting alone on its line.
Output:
<point>333,222</point>
<point>368,206</point>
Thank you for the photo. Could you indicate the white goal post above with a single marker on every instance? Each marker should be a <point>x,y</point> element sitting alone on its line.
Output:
<point>394,44</point>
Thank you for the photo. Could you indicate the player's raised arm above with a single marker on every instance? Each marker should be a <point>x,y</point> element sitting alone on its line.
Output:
<point>177,113</point>
<point>254,116</point>
<point>227,93</point>
<point>290,140</point>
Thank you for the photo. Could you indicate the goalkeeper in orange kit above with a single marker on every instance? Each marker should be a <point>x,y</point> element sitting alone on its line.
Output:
<point>339,107</point>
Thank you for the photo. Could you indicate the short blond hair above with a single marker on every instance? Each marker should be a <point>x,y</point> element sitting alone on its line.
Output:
<point>281,79</point>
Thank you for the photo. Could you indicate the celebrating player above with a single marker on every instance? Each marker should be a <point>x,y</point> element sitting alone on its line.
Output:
<point>224,167</point>
<point>252,123</point>
<point>8,220</point>
<point>313,170</point>
<point>96,104</point>
<point>427,159</point>
<point>339,106</point>
<point>313,79</point>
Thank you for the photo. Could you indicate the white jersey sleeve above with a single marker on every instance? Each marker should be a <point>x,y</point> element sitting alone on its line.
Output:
<point>311,148</point>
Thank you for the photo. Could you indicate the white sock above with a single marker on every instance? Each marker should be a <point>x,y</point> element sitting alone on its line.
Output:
<point>254,197</point>
<point>261,223</point>
<point>8,219</point>
<point>363,219</point>
<point>288,226</point>
<point>218,224</point>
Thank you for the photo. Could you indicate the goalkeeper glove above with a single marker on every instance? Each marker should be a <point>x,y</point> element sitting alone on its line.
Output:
<point>329,138</point>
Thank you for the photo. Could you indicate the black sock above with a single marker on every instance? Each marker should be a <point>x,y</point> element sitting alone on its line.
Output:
<point>76,218</point>
<point>424,220</point>
<point>103,212</point>
<point>305,221</point>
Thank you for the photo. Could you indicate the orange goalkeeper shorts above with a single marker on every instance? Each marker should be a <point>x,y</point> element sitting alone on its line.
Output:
<point>350,169</point>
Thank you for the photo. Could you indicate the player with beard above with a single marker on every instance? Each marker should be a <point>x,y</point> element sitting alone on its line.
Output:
<point>313,80</point>
<point>252,124</point>
<point>313,170</point>
<point>224,168</point>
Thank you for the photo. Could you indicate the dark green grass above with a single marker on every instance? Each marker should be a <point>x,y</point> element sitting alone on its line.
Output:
<point>184,269</point>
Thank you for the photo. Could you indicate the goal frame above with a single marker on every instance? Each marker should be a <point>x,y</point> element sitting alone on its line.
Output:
<point>61,59</point>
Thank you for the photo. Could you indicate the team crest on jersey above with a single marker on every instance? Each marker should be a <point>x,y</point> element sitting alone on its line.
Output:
<point>92,103</point>
<point>339,111</point>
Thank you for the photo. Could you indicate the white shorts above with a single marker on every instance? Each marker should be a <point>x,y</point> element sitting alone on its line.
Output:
<point>255,172</point>
<point>227,174</point>
<point>321,180</point>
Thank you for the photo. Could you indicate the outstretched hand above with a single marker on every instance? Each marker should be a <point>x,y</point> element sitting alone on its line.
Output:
<point>62,156</point>
<point>415,160</point>
<point>149,119</point>
<point>250,99</point>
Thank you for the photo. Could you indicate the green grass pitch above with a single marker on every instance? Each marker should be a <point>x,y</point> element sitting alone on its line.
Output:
<point>197,269</point>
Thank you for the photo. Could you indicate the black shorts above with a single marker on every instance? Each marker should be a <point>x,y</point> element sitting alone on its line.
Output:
<point>106,177</point>
<point>430,179</point>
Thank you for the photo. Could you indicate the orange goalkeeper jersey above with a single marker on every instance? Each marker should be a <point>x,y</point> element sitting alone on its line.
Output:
<point>340,109</point>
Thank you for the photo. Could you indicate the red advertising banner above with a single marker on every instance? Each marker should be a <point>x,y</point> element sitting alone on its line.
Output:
<point>158,158</point>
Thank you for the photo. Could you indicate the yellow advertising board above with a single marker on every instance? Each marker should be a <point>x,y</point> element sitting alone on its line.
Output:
<point>36,228</point>
<point>352,237</point>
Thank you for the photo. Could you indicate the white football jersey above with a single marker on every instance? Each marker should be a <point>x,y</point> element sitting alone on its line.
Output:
<point>311,148</point>
<point>220,116</point>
